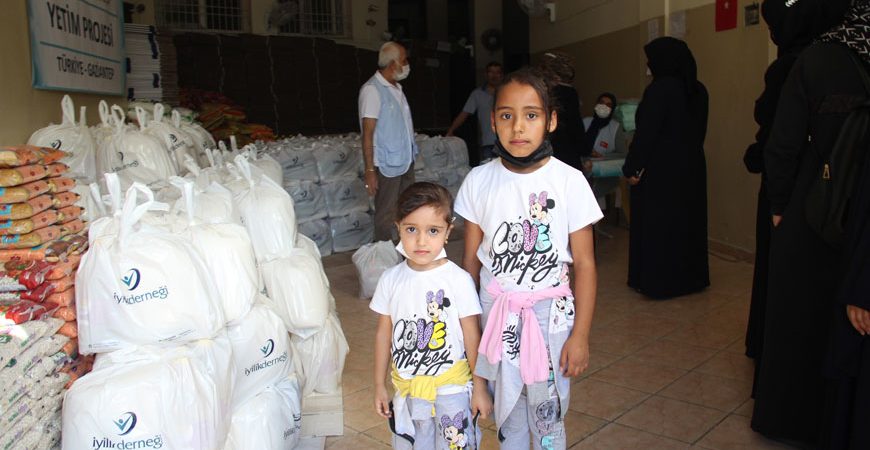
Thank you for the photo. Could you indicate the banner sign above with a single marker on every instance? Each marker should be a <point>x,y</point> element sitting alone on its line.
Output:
<point>77,45</point>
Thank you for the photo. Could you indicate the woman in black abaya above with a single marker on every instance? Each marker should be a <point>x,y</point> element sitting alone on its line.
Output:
<point>667,170</point>
<point>821,90</point>
<point>792,28</point>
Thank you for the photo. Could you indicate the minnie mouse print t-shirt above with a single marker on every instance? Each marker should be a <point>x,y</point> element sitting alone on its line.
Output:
<point>526,220</point>
<point>425,308</point>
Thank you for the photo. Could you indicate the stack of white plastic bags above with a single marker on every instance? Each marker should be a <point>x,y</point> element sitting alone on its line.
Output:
<point>442,160</point>
<point>324,177</point>
<point>191,353</point>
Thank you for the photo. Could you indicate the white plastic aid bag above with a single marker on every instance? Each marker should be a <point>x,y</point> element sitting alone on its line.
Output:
<point>170,398</point>
<point>308,200</point>
<point>202,140</point>
<point>351,232</point>
<point>319,358</point>
<point>267,213</point>
<point>457,151</point>
<point>143,285</point>
<point>371,260</point>
<point>433,153</point>
<point>214,204</point>
<point>345,196</point>
<point>228,255</point>
<point>175,142</point>
<point>297,163</point>
<point>261,351</point>
<point>270,421</point>
<point>337,161</point>
<point>73,138</point>
<point>136,156</point>
<point>270,167</point>
<point>425,174</point>
<point>103,131</point>
<point>318,231</point>
<point>298,292</point>
<point>309,247</point>
<point>452,178</point>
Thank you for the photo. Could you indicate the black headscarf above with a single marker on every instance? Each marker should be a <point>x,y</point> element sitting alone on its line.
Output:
<point>795,23</point>
<point>597,124</point>
<point>671,57</point>
<point>854,31</point>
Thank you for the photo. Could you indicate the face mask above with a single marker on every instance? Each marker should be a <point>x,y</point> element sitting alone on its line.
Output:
<point>603,111</point>
<point>540,153</point>
<point>401,249</point>
<point>406,70</point>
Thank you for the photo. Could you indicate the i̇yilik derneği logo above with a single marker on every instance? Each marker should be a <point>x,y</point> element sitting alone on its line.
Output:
<point>125,425</point>
<point>267,349</point>
<point>132,279</point>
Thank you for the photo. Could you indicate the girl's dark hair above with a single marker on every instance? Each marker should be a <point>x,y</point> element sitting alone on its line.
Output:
<point>537,80</point>
<point>423,194</point>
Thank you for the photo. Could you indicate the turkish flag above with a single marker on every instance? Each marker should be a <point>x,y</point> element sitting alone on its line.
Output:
<point>726,14</point>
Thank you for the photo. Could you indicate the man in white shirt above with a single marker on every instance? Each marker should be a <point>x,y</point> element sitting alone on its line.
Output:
<point>387,136</point>
<point>480,103</point>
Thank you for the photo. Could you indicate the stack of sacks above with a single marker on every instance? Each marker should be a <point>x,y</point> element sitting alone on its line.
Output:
<point>298,290</point>
<point>39,250</point>
<point>37,204</point>
<point>324,177</point>
<point>146,302</point>
<point>33,363</point>
<point>171,305</point>
<point>442,160</point>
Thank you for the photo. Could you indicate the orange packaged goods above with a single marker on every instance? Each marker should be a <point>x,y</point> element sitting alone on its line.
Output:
<point>20,175</point>
<point>72,227</point>
<point>70,213</point>
<point>64,199</point>
<point>52,251</point>
<point>22,155</point>
<point>18,211</point>
<point>23,193</point>
<point>25,226</point>
<point>64,268</point>
<point>65,298</point>
<point>61,184</point>
<point>56,169</point>
<point>66,313</point>
<point>33,239</point>
<point>69,329</point>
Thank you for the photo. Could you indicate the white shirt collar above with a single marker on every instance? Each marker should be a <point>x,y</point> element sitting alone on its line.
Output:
<point>386,83</point>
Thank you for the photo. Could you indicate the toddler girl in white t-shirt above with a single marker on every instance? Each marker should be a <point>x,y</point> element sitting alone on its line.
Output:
<point>428,333</point>
<point>528,216</point>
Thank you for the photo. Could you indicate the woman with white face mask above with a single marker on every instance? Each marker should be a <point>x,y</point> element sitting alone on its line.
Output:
<point>603,134</point>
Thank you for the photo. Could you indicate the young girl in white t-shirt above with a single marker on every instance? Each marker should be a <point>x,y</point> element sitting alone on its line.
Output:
<point>528,217</point>
<point>428,333</point>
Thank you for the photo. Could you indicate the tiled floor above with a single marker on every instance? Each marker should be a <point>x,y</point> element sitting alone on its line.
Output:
<point>662,375</point>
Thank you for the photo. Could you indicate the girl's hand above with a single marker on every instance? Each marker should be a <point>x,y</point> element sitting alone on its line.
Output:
<point>382,401</point>
<point>860,319</point>
<point>575,356</point>
<point>633,181</point>
<point>481,401</point>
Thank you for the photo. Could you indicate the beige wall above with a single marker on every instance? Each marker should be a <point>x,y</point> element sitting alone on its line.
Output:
<point>487,14</point>
<point>23,109</point>
<point>609,54</point>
